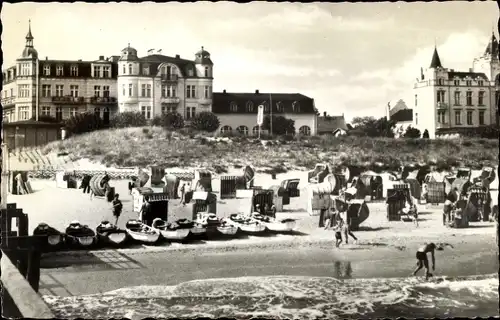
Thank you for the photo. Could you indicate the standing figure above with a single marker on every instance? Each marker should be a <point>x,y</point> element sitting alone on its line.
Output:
<point>451,199</point>
<point>339,224</point>
<point>86,183</point>
<point>145,213</point>
<point>346,220</point>
<point>183,193</point>
<point>117,208</point>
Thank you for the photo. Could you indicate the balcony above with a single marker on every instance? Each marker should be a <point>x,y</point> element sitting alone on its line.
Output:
<point>205,101</point>
<point>6,102</point>
<point>170,99</point>
<point>443,126</point>
<point>442,105</point>
<point>68,100</point>
<point>169,77</point>
<point>102,100</point>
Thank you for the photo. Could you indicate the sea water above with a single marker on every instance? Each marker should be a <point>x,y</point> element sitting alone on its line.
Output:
<point>292,297</point>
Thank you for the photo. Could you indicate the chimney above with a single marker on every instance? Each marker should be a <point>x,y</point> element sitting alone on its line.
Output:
<point>388,115</point>
<point>324,114</point>
<point>177,56</point>
<point>79,59</point>
<point>257,91</point>
<point>452,70</point>
<point>46,58</point>
<point>224,91</point>
<point>470,69</point>
<point>101,57</point>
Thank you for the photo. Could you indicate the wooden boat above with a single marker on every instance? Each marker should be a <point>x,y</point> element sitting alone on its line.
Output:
<point>274,224</point>
<point>80,235</point>
<point>108,233</point>
<point>246,223</point>
<point>141,232</point>
<point>171,231</point>
<point>55,239</point>
<point>212,222</point>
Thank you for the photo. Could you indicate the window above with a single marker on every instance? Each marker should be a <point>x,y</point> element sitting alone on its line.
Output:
<point>97,71</point>
<point>457,98</point>
<point>206,72</point>
<point>416,100</point>
<point>243,130</point>
<point>190,112</point>
<point>23,113</point>
<point>129,69</point>
<point>266,106</point>
<point>97,112</point>
<point>480,83</point>
<point>168,108</point>
<point>440,96</point>
<point>59,90</point>
<point>481,117</point>
<point>170,91</point>
<point>46,70</point>
<point>105,116</point>
<point>416,118</point>
<point>469,118</point>
<point>72,112</point>
<point>46,90</point>
<point>169,71</point>
<point>124,91</point>
<point>279,106</point>
<point>143,90</point>
<point>441,117</point>
<point>74,71</point>
<point>207,92</point>
<point>456,82</point>
<point>190,72</point>
<point>233,106</point>
<point>105,91</point>
<point>97,91</point>
<point>58,113</point>
<point>45,111</point>
<point>440,82</point>
<point>25,69</point>
<point>11,92</point>
<point>255,130</point>
<point>23,91</point>
<point>146,111</point>
<point>226,129</point>
<point>469,98</point>
<point>148,91</point>
<point>458,117</point>
<point>73,91</point>
<point>191,91</point>
<point>480,98</point>
<point>130,89</point>
<point>145,70</point>
<point>296,106</point>
<point>105,72</point>
<point>249,106</point>
<point>468,83</point>
<point>124,71</point>
<point>305,130</point>
<point>59,70</point>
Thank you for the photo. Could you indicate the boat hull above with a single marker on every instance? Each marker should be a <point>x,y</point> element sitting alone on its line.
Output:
<point>80,241</point>
<point>197,230</point>
<point>113,238</point>
<point>281,226</point>
<point>227,230</point>
<point>143,237</point>
<point>179,234</point>
<point>252,228</point>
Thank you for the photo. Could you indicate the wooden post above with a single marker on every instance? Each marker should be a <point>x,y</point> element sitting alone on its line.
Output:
<point>33,272</point>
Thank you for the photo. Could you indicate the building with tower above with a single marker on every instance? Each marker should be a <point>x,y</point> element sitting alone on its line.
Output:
<point>449,101</point>
<point>157,84</point>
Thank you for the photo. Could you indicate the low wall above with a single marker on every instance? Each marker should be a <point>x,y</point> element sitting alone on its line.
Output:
<point>24,300</point>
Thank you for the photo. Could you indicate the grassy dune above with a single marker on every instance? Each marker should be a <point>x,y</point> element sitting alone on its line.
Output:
<point>156,146</point>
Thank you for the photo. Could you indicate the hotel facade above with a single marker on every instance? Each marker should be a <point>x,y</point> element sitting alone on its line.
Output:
<point>448,101</point>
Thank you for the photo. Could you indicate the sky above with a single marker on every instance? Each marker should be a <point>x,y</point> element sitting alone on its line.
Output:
<point>352,58</point>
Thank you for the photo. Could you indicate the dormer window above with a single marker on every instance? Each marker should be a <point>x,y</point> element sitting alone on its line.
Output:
<point>145,70</point>
<point>129,69</point>
<point>206,72</point>
<point>46,70</point>
<point>279,106</point>
<point>480,83</point>
<point>74,71</point>
<point>124,71</point>
<point>440,81</point>
<point>190,72</point>
<point>296,106</point>
<point>234,106</point>
<point>59,70</point>
<point>456,82</point>
<point>249,106</point>
<point>468,83</point>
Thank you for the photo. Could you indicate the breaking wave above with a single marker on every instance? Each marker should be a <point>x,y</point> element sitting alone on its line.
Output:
<point>292,298</point>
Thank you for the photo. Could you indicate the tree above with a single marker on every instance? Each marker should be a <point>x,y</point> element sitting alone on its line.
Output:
<point>281,125</point>
<point>411,133</point>
<point>170,120</point>
<point>83,123</point>
<point>205,121</point>
<point>361,121</point>
<point>128,119</point>
<point>425,135</point>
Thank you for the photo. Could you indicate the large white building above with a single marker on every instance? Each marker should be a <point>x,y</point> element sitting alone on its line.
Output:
<point>448,101</point>
<point>157,84</point>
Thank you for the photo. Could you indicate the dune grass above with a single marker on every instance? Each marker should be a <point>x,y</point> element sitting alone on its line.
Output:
<point>146,146</point>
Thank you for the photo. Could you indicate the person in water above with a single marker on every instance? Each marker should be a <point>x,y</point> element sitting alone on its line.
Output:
<point>422,260</point>
<point>117,208</point>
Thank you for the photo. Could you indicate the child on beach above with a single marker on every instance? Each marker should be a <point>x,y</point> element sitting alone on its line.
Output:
<point>422,260</point>
<point>338,230</point>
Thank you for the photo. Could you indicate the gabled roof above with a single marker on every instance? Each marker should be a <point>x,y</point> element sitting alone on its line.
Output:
<point>436,61</point>
<point>331,124</point>
<point>403,115</point>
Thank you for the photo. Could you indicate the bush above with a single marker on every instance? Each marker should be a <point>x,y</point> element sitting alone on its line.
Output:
<point>128,119</point>
<point>281,125</point>
<point>45,118</point>
<point>425,135</point>
<point>205,121</point>
<point>171,120</point>
<point>83,123</point>
<point>411,133</point>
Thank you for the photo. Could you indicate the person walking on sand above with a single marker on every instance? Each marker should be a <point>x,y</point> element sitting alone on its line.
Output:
<point>346,221</point>
<point>117,208</point>
<point>183,193</point>
<point>450,201</point>
<point>422,260</point>
<point>338,230</point>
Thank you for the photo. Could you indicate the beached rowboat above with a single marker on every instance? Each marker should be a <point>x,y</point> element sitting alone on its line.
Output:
<point>246,224</point>
<point>274,224</point>
<point>109,233</point>
<point>212,222</point>
<point>141,232</point>
<point>79,235</point>
<point>55,238</point>
<point>171,231</point>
